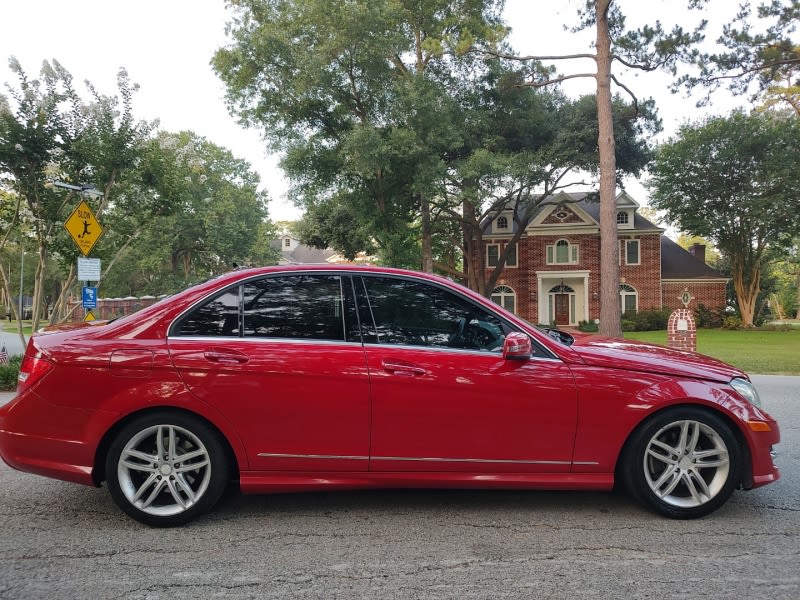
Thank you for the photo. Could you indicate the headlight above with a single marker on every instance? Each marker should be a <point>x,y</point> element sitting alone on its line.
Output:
<point>747,390</point>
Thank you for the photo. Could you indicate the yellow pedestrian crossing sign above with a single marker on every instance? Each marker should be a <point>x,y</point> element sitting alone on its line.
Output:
<point>84,228</point>
<point>89,316</point>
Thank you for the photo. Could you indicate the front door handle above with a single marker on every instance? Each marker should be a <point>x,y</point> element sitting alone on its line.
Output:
<point>405,369</point>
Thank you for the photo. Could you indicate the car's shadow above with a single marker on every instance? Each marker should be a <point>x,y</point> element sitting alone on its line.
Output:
<point>399,501</point>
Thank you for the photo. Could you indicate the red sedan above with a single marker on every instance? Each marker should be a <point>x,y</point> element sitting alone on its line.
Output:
<point>282,379</point>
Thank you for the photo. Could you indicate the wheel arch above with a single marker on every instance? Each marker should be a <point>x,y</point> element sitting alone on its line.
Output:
<point>98,472</point>
<point>746,467</point>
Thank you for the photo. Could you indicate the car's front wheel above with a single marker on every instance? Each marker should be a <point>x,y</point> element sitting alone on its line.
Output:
<point>166,468</point>
<point>684,463</point>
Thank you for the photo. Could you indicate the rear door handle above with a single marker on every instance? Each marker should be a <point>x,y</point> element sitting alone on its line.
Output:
<point>407,370</point>
<point>225,356</point>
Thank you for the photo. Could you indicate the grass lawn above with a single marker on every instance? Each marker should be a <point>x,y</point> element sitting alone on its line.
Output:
<point>12,327</point>
<point>754,351</point>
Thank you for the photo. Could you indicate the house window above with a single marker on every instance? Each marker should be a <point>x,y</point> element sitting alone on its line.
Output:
<point>493,255</point>
<point>562,253</point>
<point>511,261</point>
<point>505,297</point>
<point>287,242</point>
<point>629,299</point>
<point>622,218</point>
<point>632,256</point>
<point>502,223</point>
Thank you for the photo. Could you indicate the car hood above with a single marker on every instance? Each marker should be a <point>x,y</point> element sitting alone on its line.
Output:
<point>640,356</point>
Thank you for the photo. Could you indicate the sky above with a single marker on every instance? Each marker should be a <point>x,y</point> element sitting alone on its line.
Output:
<point>166,47</point>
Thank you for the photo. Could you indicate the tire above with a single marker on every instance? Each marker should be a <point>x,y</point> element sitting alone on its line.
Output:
<point>684,463</point>
<point>165,469</point>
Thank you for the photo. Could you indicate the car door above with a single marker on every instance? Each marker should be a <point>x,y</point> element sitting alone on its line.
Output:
<point>443,397</point>
<point>281,357</point>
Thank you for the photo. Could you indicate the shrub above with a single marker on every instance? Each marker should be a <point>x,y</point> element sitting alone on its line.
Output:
<point>588,326</point>
<point>9,373</point>
<point>733,322</point>
<point>709,318</point>
<point>646,320</point>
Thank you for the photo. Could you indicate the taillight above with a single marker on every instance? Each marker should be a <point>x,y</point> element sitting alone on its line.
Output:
<point>34,366</point>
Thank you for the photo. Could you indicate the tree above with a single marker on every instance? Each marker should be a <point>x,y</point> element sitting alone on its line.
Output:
<point>760,56</point>
<point>203,213</point>
<point>355,94</point>
<point>647,49</point>
<point>49,133</point>
<point>734,181</point>
<point>523,146</point>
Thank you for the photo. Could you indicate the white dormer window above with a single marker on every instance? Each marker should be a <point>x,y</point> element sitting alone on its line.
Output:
<point>625,219</point>
<point>502,223</point>
<point>287,242</point>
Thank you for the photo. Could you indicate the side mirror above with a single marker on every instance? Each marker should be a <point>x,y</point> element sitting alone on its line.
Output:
<point>517,346</point>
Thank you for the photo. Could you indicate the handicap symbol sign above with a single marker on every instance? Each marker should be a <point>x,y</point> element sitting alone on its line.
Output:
<point>90,297</point>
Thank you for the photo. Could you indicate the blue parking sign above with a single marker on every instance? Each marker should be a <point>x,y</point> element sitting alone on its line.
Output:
<point>89,297</point>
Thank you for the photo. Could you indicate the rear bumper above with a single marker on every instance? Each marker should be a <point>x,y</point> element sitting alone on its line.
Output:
<point>35,455</point>
<point>41,438</point>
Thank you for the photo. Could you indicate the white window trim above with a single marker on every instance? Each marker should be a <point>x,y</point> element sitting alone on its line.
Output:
<point>624,293</point>
<point>499,252</point>
<point>638,252</point>
<point>552,251</point>
<point>504,291</point>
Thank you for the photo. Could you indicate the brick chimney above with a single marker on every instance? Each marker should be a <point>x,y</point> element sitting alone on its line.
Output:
<point>698,251</point>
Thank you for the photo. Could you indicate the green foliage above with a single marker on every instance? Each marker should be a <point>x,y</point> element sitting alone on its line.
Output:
<point>200,212</point>
<point>709,318</point>
<point>588,326</point>
<point>734,180</point>
<point>175,208</point>
<point>758,53</point>
<point>646,320</point>
<point>732,322</point>
<point>9,373</point>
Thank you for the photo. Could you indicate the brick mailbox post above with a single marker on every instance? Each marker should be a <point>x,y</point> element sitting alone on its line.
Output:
<point>681,327</point>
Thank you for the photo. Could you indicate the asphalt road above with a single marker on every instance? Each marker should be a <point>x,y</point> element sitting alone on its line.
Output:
<point>11,342</point>
<point>60,540</point>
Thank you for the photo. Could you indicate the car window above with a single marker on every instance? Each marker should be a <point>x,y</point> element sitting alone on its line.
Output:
<point>217,317</point>
<point>295,306</point>
<point>414,313</point>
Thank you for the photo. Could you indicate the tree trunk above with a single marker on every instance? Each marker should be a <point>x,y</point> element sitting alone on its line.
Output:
<point>60,307</point>
<point>747,289</point>
<point>797,315</point>
<point>609,252</point>
<point>427,244</point>
<point>473,247</point>
<point>38,289</point>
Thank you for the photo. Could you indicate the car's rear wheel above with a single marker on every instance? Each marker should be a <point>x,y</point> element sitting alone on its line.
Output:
<point>684,463</point>
<point>166,468</point>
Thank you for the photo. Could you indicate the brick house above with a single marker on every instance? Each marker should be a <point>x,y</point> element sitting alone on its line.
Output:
<point>553,277</point>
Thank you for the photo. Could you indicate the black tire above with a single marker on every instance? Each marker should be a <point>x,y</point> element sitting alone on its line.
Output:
<point>684,463</point>
<point>166,468</point>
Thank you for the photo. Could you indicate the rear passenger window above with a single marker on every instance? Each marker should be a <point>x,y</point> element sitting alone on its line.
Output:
<point>218,317</point>
<point>296,306</point>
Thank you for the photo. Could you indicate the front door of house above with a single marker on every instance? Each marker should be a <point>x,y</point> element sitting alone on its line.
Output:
<point>561,302</point>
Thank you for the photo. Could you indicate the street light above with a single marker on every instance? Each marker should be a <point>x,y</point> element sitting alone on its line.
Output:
<point>86,189</point>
